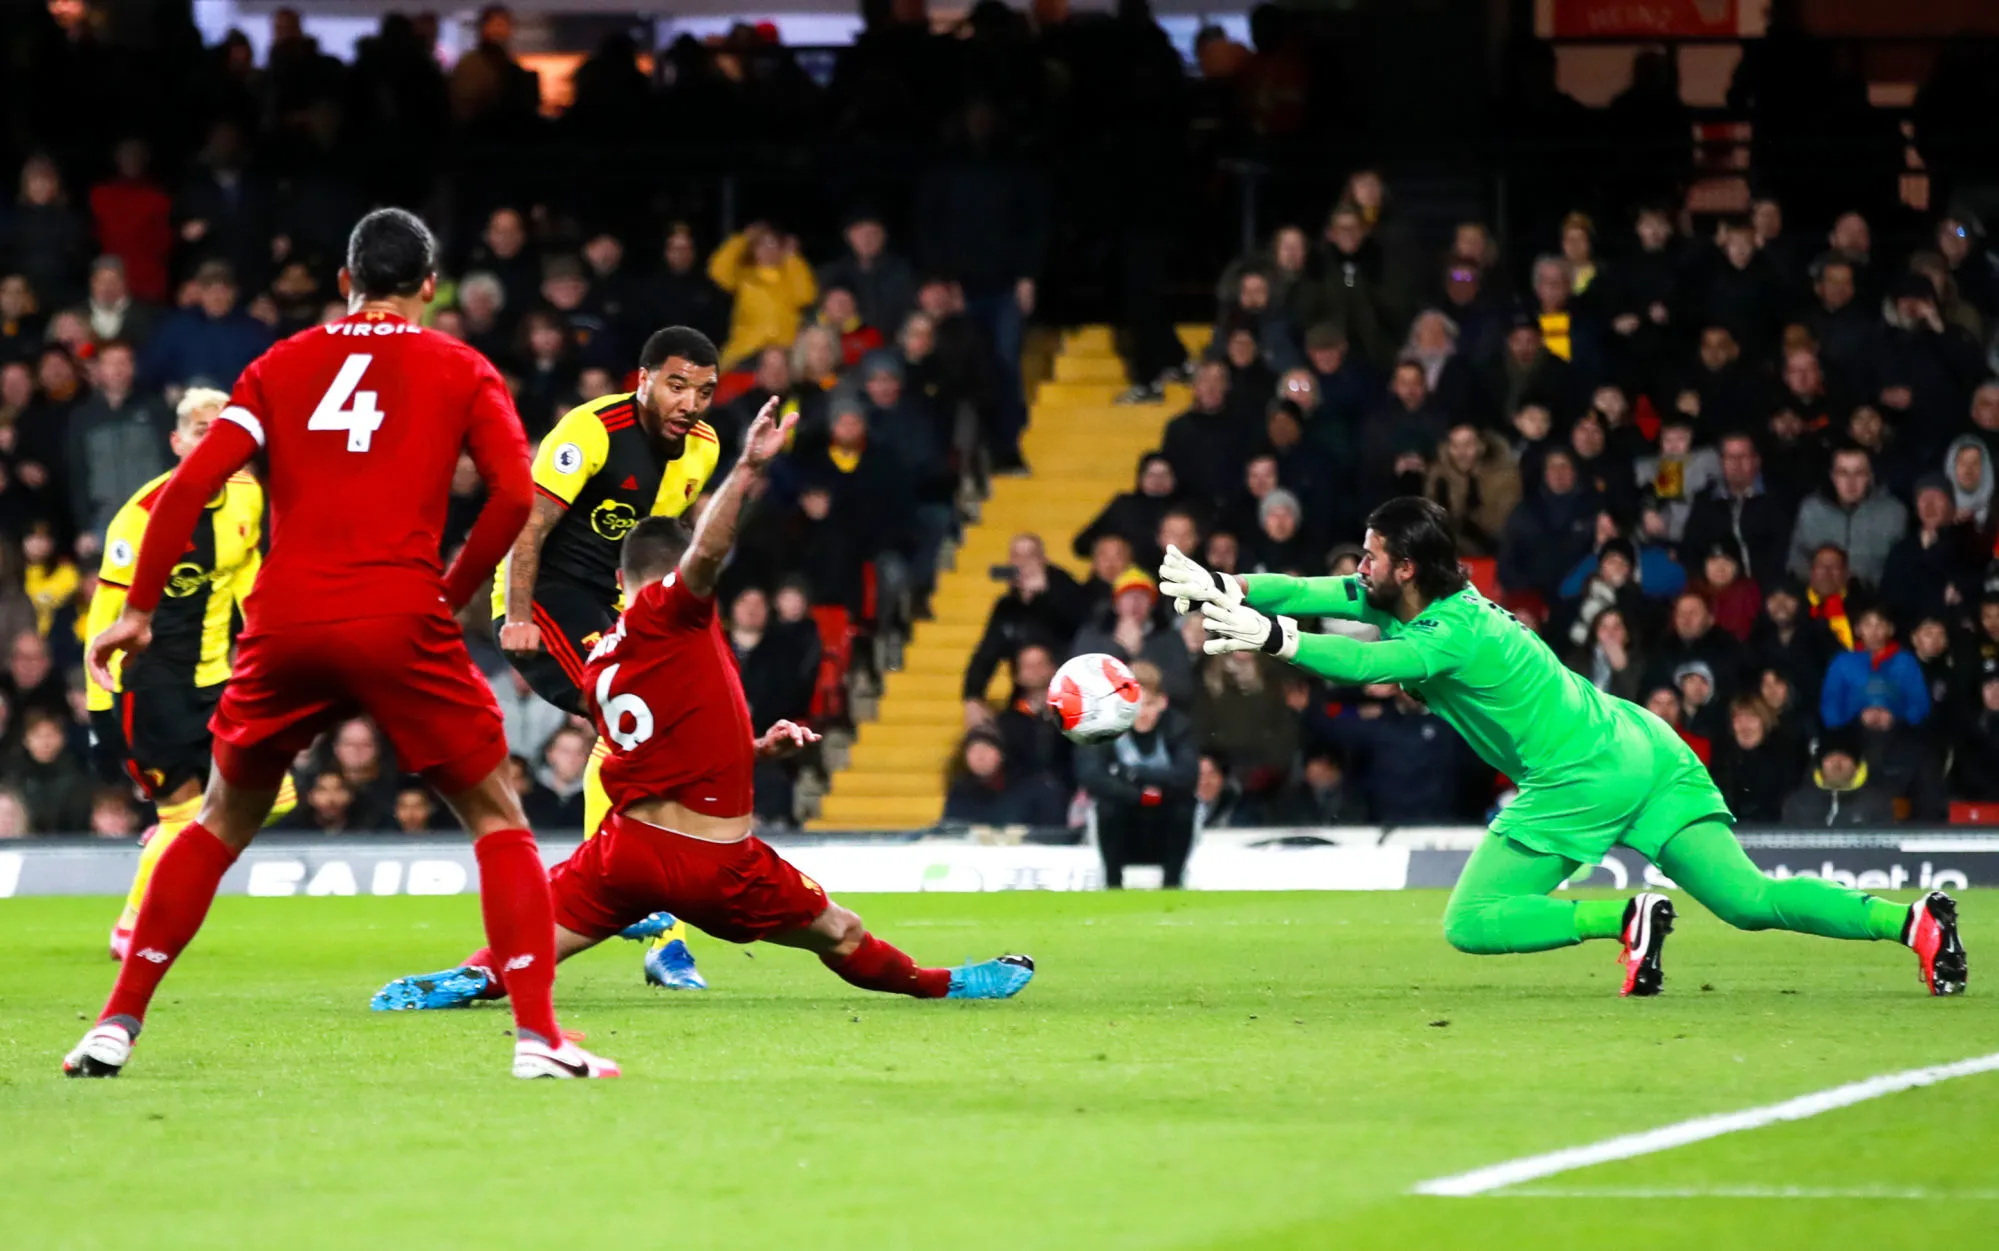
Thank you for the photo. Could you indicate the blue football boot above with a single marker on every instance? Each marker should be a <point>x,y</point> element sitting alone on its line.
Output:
<point>991,979</point>
<point>453,988</point>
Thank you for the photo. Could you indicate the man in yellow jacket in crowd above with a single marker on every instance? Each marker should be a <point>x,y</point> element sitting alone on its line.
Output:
<point>772,286</point>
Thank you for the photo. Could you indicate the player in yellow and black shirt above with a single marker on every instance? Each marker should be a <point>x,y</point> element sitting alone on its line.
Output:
<point>151,729</point>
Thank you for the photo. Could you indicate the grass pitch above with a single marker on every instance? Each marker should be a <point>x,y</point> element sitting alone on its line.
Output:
<point>1187,1071</point>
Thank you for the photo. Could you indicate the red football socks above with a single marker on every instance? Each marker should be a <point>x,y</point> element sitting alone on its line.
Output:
<point>184,884</point>
<point>875,965</point>
<point>520,929</point>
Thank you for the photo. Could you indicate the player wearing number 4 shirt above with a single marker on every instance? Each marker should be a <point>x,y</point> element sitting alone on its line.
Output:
<point>1593,771</point>
<point>360,424</point>
<point>665,692</point>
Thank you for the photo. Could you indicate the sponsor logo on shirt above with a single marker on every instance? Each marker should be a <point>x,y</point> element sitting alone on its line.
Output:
<point>613,519</point>
<point>185,580</point>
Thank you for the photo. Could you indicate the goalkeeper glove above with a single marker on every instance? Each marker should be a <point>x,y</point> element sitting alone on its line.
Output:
<point>1239,628</point>
<point>1186,582</point>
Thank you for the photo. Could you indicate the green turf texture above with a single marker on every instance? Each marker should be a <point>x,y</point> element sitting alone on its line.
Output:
<point>1187,1071</point>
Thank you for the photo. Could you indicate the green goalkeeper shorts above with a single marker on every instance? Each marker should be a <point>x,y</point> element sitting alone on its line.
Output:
<point>1639,789</point>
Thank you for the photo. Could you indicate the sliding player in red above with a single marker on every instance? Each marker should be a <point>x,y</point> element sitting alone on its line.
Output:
<point>360,423</point>
<point>664,689</point>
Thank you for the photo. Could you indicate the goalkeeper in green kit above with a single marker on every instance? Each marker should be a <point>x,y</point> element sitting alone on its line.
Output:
<point>1593,771</point>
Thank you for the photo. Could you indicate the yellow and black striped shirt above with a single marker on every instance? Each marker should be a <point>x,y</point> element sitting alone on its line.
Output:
<point>200,613</point>
<point>601,465</point>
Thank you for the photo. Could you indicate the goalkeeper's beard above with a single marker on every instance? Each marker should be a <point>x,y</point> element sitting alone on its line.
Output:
<point>1383,598</point>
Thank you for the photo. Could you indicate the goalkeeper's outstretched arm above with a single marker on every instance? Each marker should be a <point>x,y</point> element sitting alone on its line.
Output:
<point>1351,662</point>
<point>1344,597</point>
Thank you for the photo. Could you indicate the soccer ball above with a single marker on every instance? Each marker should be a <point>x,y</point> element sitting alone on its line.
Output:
<point>1094,697</point>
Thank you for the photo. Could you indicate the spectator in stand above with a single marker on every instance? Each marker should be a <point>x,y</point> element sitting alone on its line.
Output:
<point>544,363</point>
<point>111,814</point>
<point>1850,513</point>
<point>1663,702</point>
<point>117,441</point>
<point>1350,291</point>
<point>1974,772</point>
<point>1527,372</point>
<point>839,314</point>
<point>1935,568</point>
<point>32,683</point>
<point>1043,606</point>
<point>208,343</point>
<point>1132,628</point>
<point>55,788</point>
<point>1143,785</point>
<point>1242,709</point>
<point>557,800</point>
<point>771,286</point>
<point>1550,532</point>
<point>1218,799</point>
<point>1447,376</point>
<point>1639,297</point>
<point>1406,763</point>
<point>1721,392</point>
<point>1699,710</point>
<point>1694,637</point>
<point>1135,515</point>
<point>778,667</point>
<point>1034,741</point>
<point>46,240</point>
<point>1961,242</point>
<point>1839,793</point>
<point>1945,672</point>
<point>1324,794</point>
<point>983,792</point>
<point>1251,383</point>
<point>1244,514</point>
<point>1847,331</point>
<point>112,311</point>
<point>1878,668</point>
<point>1307,470</point>
<point>1969,466</point>
<point>883,284</point>
<point>1255,307</point>
<point>416,810</point>
<point>492,95</point>
<point>1738,506</point>
<point>1733,595</point>
<point>1677,474</point>
<point>1827,591</point>
<point>134,222</point>
<point>681,294</point>
<point>1397,440</point>
<point>1206,445</point>
<point>1740,289</point>
<point>1569,327</point>
<point>20,320</point>
<point>1608,474</point>
<point>1609,656</point>
<point>329,808</point>
<point>1285,264</point>
<point>1347,389</point>
<point>1756,768</point>
<point>1898,759</point>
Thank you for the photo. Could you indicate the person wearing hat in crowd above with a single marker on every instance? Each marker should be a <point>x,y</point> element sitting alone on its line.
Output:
<point>1663,702</point>
<point>1606,579</point>
<point>1700,711</point>
<point>1899,759</point>
<point>1143,785</point>
<point>1347,387</point>
<point>1968,465</point>
<point>1280,544</point>
<point>1839,792</point>
<point>1877,669</point>
<point>1754,766</point>
<point>1134,629</point>
<point>983,792</point>
<point>1934,569</point>
<point>1974,771</point>
<point>1732,594</point>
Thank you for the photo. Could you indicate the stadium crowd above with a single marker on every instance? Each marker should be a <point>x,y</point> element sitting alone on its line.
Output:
<point>1739,470</point>
<point>1740,476</point>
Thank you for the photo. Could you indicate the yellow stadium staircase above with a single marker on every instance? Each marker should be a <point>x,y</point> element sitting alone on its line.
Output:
<point>1083,450</point>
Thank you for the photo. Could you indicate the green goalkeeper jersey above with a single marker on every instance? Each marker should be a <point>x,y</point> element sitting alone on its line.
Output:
<point>1476,666</point>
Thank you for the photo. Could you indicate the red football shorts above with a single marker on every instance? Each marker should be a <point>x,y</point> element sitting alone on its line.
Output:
<point>412,674</point>
<point>739,892</point>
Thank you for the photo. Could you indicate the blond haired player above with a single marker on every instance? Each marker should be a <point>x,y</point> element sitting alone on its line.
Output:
<point>151,727</point>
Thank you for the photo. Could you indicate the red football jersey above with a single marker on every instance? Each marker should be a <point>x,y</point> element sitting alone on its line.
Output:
<point>361,422</point>
<point>667,698</point>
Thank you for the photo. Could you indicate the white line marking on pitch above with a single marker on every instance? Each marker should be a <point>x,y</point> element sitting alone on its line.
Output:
<point>1530,1168</point>
<point>1751,1192</point>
